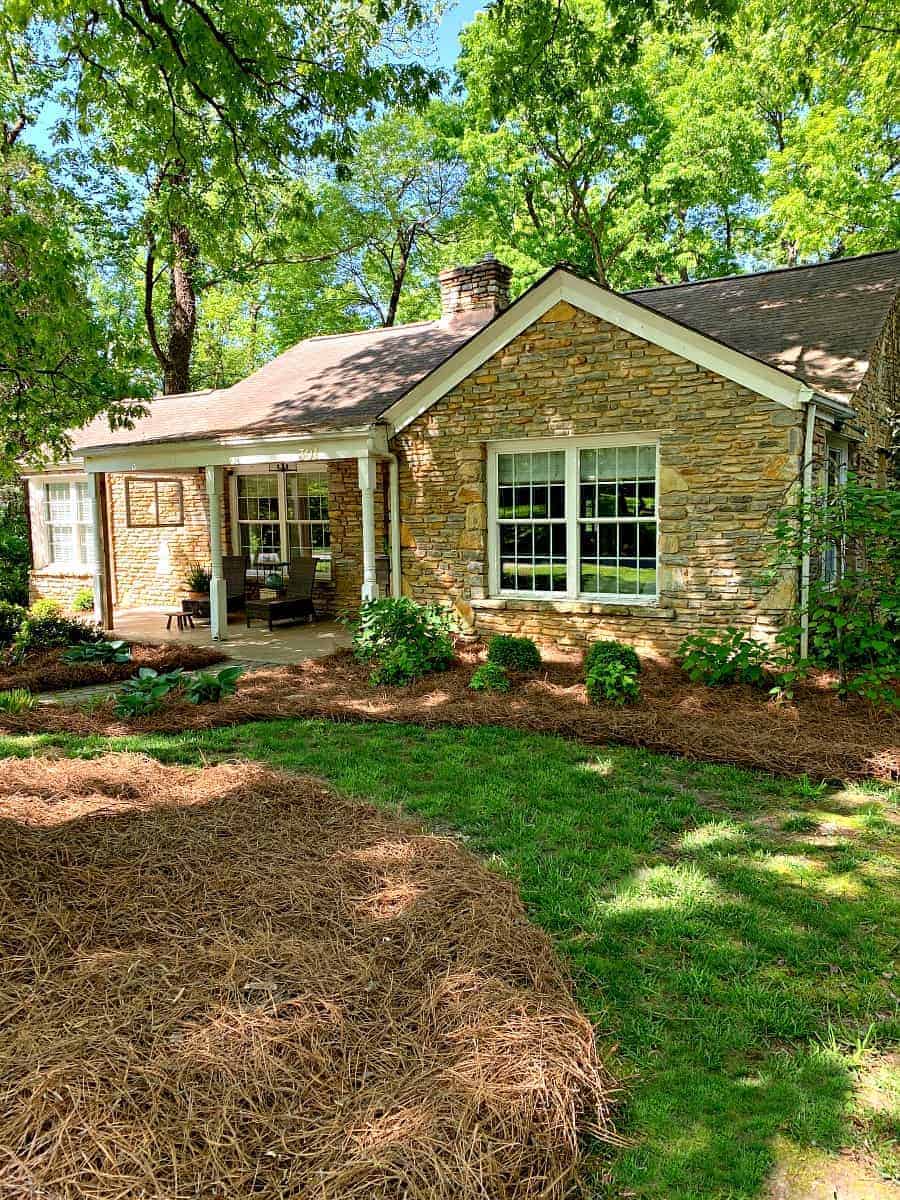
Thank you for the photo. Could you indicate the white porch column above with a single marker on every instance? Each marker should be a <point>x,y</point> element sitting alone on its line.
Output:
<point>367,475</point>
<point>396,552</point>
<point>102,614</point>
<point>218,594</point>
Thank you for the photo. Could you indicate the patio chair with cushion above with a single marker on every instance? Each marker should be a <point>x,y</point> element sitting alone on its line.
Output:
<point>296,600</point>
<point>234,569</point>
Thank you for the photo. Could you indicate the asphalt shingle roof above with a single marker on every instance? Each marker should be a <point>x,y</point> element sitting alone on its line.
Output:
<point>817,323</point>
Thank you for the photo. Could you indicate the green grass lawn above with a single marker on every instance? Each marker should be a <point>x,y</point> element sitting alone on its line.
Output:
<point>733,936</point>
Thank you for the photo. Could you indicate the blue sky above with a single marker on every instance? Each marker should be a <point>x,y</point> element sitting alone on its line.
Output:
<point>454,19</point>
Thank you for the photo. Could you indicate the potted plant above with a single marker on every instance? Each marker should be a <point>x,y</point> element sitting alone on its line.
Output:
<point>196,580</point>
<point>254,547</point>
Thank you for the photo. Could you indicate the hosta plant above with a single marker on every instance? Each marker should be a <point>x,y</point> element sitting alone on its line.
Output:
<point>98,652</point>
<point>209,687</point>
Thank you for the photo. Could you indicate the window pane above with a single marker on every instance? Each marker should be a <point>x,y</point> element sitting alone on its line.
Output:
<point>627,462</point>
<point>627,539</point>
<point>588,465</point>
<point>61,543</point>
<point>647,540</point>
<point>505,469</point>
<point>606,578</point>
<point>541,539</point>
<point>560,577</point>
<point>82,502</point>
<point>628,576</point>
<point>505,504</point>
<point>507,539</point>
<point>539,503</point>
<point>606,500</point>
<point>647,498</point>
<point>557,468</point>
<point>539,468</point>
<point>587,506</point>
<point>627,499</point>
<point>588,539</point>
<point>558,501</point>
<point>647,462</point>
<point>647,577</point>
<point>606,463</point>
<point>523,503</point>
<point>607,540</point>
<point>523,468</point>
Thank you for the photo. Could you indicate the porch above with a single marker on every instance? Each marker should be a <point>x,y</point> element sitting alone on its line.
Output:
<point>155,511</point>
<point>287,644</point>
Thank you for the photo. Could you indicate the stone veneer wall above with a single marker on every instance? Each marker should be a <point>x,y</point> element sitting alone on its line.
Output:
<point>877,404</point>
<point>727,459</point>
<point>148,564</point>
<point>59,585</point>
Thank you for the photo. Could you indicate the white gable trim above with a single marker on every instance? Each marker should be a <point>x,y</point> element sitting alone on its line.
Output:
<point>617,310</point>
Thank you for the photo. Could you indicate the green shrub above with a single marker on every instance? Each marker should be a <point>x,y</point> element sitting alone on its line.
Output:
<point>514,653</point>
<point>401,639</point>
<point>45,607</point>
<point>98,652</point>
<point>490,677</point>
<point>16,700</point>
<point>145,692</point>
<point>11,618</point>
<point>612,682</point>
<point>610,651</point>
<point>15,551</point>
<point>210,687</point>
<point>46,633</point>
<point>83,600</point>
<point>718,657</point>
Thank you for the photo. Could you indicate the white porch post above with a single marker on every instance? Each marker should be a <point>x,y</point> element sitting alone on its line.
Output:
<point>367,474</point>
<point>396,551</point>
<point>102,615</point>
<point>218,595</point>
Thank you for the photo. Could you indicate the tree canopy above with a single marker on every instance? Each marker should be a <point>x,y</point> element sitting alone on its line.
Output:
<point>188,187</point>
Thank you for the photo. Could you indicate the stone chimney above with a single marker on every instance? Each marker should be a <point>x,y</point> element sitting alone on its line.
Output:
<point>485,285</point>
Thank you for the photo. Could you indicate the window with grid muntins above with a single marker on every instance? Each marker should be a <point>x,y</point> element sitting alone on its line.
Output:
<point>577,521</point>
<point>531,513</point>
<point>284,515</point>
<point>68,519</point>
<point>617,521</point>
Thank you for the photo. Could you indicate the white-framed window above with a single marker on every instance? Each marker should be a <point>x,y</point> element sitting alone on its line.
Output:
<point>574,518</point>
<point>837,459</point>
<point>281,515</point>
<point>67,517</point>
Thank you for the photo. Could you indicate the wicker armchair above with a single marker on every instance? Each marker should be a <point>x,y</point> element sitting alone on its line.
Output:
<point>295,603</point>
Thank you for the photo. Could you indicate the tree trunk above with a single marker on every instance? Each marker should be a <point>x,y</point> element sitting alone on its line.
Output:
<point>397,286</point>
<point>182,313</point>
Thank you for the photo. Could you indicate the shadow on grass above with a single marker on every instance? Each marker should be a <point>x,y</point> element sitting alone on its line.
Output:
<point>732,963</point>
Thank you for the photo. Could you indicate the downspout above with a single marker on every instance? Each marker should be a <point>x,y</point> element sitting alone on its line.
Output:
<point>807,493</point>
<point>394,515</point>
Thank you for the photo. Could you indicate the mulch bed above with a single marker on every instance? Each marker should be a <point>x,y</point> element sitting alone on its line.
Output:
<point>44,671</point>
<point>816,734</point>
<point>227,982</point>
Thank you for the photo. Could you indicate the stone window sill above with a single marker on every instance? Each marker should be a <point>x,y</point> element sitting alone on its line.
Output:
<point>579,608</point>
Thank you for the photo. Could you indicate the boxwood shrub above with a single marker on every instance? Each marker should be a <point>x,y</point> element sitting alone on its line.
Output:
<point>611,651</point>
<point>490,677</point>
<point>514,653</point>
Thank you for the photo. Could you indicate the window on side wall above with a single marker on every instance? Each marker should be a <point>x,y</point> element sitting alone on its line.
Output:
<point>67,513</point>
<point>577,520</point>
<point>836,464</point>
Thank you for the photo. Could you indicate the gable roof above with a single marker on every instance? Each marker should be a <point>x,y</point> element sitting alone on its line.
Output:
<point>817,322</point>
<point>779,333</point>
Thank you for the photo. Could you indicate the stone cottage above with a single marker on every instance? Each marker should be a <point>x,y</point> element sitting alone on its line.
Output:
<point>579,463</point>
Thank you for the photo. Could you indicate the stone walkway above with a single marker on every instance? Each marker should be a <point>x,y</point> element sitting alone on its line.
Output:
<point>84,695</point>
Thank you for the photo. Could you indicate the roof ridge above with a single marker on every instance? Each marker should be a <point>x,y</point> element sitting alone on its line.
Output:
<point>830,262</point>
<point>349,333</point>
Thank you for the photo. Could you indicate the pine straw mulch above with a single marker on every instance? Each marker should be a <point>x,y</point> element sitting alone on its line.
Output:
<point>44,671</point>
<point>816,734</point>
<point>226,981</point>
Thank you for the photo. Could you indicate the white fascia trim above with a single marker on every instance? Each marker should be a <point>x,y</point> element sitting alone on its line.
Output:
<point>608,306</point>
<point>238,451</point>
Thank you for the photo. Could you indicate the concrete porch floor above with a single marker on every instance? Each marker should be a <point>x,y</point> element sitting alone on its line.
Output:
<point>285,644</point>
